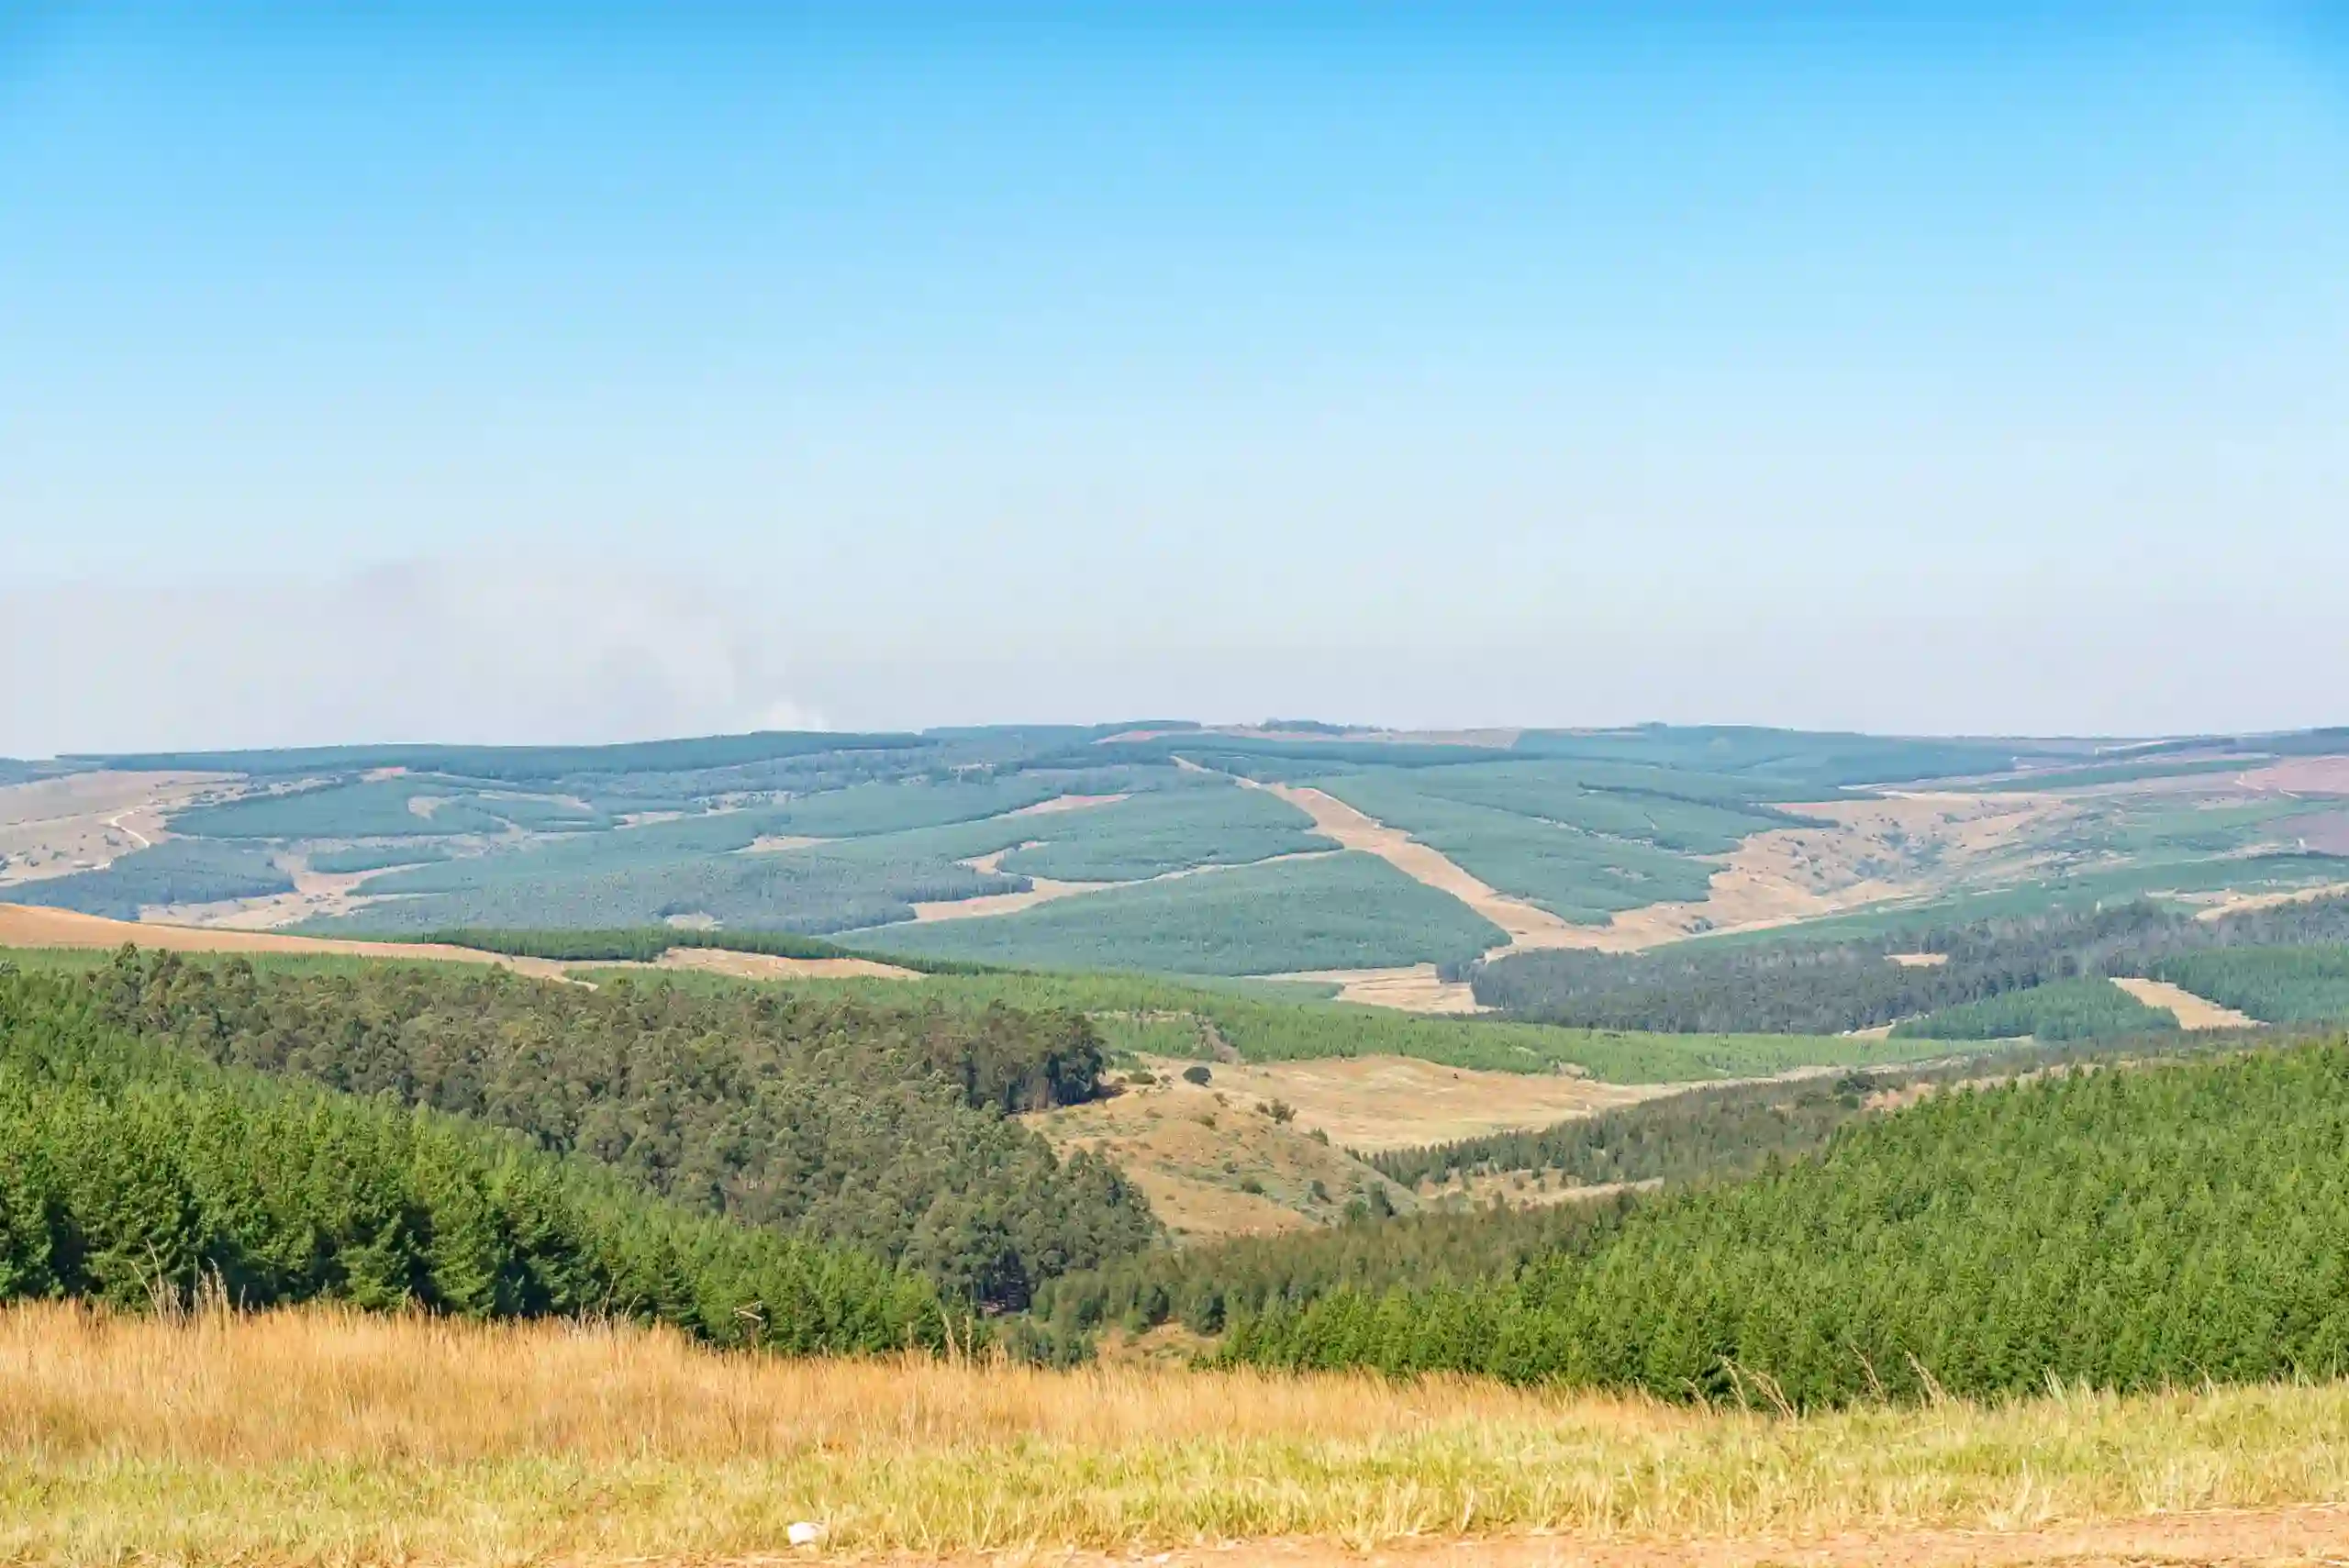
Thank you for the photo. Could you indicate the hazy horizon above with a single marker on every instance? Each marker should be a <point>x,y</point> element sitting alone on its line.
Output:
<point>470,377</point>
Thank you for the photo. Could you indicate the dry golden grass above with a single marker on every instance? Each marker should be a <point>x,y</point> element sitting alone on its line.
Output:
<point>332,1438</point>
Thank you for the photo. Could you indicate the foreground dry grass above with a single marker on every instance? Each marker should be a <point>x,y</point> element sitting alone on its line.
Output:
<point>334,1439</point>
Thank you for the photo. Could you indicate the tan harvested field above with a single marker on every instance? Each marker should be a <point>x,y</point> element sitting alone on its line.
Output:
<point>1417,988</point>
<point>1061,802</point>
<point>1375,1103</point>
<point>25,927</point>
<point>324,1438</point>
<point>2300,776</point>
<point>1919,959</point>
<point>2193,1012</point>
<point>772,966</point>
<point>82,821</point>
<point>1040,890</point>
<point>776,843</point>
<point>2238,903</point>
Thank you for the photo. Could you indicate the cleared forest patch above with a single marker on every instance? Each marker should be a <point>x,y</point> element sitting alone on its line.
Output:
<point>22,926</point>
<point>2192,1012</point>
<point>56,827</point>
<point>322,1436</point>
<point>772,966</point>
<point>1413,988</point>
<point>1372,1103</point>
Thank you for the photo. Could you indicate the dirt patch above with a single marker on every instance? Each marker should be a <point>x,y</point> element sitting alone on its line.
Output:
<point>2298,776</point>
<point>2193,1012</point>
<point>1040,890</point>
<point>775,843</point>
<point>1061,802</point>
<point>24,926</point>
<point>85,821</point>
<point>1524,1189</point>
<point>2275,1536</point>
<point>1416,988</point>
<point>1210,1160</point>
<point>1919,959</point>
<point>1375,1103</point>
<point>773,966</point>
<point>1860,852</point>
<point>2239,902</point>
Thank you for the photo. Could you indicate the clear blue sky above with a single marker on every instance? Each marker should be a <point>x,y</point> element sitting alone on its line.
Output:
<point>588,371</point>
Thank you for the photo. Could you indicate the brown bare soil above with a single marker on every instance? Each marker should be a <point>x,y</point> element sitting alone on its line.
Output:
<point>2193,1012</point>
<point>1919,959</point>
<point>2268,1538</point>
<point>82,821</point>
<point>1416,988</point>
<point>24,926</point>
<point>1374,1103</point>
<point>772,966</point>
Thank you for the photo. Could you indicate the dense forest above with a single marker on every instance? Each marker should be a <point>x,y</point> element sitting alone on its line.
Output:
<point>1803,988</point>
<point>2128,1227</point>
<point>2087,1009</point>
<point>1207,1287</point>
<point>1701,1132</point>
<point>137,1173</point>
<point>179,870</point>
<point>827,1117</point>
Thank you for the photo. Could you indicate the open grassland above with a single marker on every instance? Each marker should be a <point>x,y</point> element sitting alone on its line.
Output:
<point>328,1437</point>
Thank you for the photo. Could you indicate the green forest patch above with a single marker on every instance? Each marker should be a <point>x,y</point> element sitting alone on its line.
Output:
<point>2276,985</point>
<point>1149,835</point>
<point>1574,874</point>
<point>1342,911</point>
<point>2088,1008</point>
<point>178,871</point>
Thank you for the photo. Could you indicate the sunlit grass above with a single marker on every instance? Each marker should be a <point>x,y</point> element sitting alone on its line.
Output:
<point>326,1436</point>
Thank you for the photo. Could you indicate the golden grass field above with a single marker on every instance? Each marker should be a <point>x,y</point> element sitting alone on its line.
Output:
<point>324,1437</point>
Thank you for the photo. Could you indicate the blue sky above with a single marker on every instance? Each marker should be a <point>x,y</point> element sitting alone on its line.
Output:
<point>590,372</point>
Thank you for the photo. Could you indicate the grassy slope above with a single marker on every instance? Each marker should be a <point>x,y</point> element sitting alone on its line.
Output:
<point>313,1436</point>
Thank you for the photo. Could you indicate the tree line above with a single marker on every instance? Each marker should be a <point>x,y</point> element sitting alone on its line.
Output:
<point>1799,987</point>
<point>137,1173</point>
<point>831,1119</point>
<point>2129,1228</point>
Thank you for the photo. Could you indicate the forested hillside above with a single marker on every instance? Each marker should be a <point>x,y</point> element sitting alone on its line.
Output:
<point>2127,1227</point>
<point>137,1172</point>
<point>1826,987</point>
<point>831,1119</point>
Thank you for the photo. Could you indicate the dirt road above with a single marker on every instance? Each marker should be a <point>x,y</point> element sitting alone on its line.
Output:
<point>2271,1537</point>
